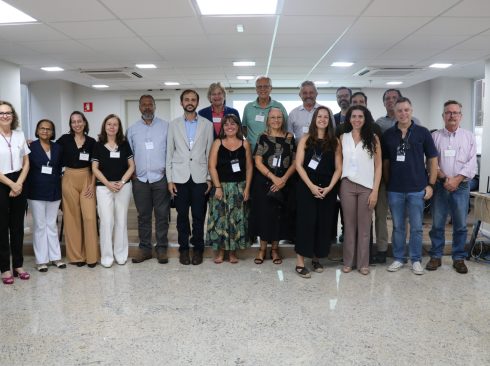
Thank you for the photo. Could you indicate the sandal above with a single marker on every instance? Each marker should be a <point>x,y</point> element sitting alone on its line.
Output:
<point>59,264</point>
<point>42,268</point>
<point>259,259</point>
<point>346,269</point>
<point>364,271</point>
<point>317,266</point>
<point>233,257</point>
<point>276,258</point>
<point>220,257</point>
<point>302,272</point>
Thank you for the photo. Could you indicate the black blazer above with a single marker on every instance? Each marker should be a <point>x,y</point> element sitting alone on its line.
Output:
<point>44,187</point>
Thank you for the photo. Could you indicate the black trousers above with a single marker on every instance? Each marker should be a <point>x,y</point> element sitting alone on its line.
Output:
<point>191,195</point>
<point>12,211</point>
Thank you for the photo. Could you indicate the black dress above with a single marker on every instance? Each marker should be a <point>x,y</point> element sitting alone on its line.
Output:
<point>269,219</point>
<point>313,215</point>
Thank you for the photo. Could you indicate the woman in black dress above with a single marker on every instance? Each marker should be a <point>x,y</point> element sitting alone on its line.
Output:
<point>319,165</point>
<point>274,160</point>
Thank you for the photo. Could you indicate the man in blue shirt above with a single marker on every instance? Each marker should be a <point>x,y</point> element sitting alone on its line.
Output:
<point>404,147</point>
<point>148,140</point>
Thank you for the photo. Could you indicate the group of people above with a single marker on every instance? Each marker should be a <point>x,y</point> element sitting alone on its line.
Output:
<point>270,175</point>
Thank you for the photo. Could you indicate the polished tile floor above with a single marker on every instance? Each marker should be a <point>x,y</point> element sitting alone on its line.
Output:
<point>245,314</point>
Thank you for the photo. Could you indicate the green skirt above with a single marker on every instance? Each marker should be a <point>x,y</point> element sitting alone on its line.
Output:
<point>228,219</point>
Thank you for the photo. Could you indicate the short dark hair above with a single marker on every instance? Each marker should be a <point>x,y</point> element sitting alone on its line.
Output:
<point>53,136</point>
<point>235,119</point>
<point>392,90</point>
<point>449,102</point>
<point>403,100</point>
<point>358,93</point>
<point>144,96</point>
<point>119,135</point>
<point>344,87</point>
<point>188,91</point>
<point>85,129</point>
<point>15,116</point>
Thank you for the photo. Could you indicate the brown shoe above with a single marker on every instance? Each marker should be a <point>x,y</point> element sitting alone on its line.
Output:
<point>197,258</point>
<point>433,264</point>
<point>184,258</point>
<point>162,257</point>
<point>141,256</point>
<point>459,266</point>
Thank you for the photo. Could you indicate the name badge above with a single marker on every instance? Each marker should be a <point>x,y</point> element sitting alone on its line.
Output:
<point>306,129</point>
<point>216,119</point>
<point>313,164</point>
<point>149,145</point>
<point>400,158</point>
<point>276,162</point>
<point>84,156</point>
<point>115,154</point>
<point>46,169</point>
<point>235,166</point>
<point>449,153</point>
<point>260,118</point>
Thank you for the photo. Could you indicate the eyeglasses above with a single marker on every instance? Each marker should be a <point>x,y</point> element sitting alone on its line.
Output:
<point>449,113</point>
<point>6,114</point>
<point>45,129</point>
<point>262,86</point>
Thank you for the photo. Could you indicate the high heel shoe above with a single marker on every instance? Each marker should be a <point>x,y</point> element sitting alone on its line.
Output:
<point>22,275</point>
<point>259,259</point>
<point>8,280</point>
<point>276,258</point>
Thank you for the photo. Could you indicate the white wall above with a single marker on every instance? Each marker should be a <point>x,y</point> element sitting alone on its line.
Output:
<point>10,86</point>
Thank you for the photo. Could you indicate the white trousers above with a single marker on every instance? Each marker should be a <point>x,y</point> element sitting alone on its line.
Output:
<point>113,215</point>
<point>45,237</point>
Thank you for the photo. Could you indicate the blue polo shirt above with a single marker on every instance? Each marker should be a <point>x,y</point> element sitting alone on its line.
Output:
<point>409,175</point>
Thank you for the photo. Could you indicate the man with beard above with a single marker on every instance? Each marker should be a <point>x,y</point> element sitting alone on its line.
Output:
<point>300,117</point>
<point>148,140</point>
<point>188,145</point>
<point>343,95</point>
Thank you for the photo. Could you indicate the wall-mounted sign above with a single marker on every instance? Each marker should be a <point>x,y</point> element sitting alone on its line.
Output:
<point>88,107</point>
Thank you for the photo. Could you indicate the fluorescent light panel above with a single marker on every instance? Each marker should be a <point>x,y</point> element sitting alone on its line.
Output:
<point>394,83</point>
<point>52,68</point>
<point>237,7</point>
<point>171,83</point>
<point>342,64</point>
<point>239,28</point>
<point>9,15</point>
<point>243,63</point>
<point>440,66</point>
<point>245,77</point>
<point>100,86</point>
<point>145,66</point>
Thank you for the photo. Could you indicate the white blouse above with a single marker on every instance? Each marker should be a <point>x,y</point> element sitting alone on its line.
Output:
<point>12,151</point>
<point>357,165</point>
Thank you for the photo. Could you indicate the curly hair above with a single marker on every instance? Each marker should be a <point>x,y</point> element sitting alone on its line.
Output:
<point>330,142</point>
<point>367,130</point>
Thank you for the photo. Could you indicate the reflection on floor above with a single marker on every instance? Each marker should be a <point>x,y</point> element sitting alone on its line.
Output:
<point>245,314</point>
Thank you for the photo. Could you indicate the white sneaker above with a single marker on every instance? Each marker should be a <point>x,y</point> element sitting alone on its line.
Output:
<point>417,268</point>
<point>395,266</point>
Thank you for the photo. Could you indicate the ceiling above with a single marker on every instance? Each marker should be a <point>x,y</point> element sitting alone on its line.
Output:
<point>298,43</point>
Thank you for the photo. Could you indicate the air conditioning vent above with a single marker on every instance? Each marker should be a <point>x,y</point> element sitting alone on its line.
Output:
<point>111,74</point>
<point>387,71</point>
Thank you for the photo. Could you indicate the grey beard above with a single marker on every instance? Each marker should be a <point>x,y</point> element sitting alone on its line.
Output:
<point>147,116</point>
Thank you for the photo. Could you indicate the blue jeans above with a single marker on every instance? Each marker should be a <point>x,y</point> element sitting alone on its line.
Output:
<point>411,203</point>
<point>456,204</point>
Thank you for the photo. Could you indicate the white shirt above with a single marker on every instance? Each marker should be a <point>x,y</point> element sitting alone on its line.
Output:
<point>299,120</point>
<point>357,164</point>
<point>11,158</point>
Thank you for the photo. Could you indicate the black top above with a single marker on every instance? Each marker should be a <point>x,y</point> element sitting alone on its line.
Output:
<point>270,148</point>
<point>71,153</point>
<point>225,158</point>
<point>322,175</point>
<point>115,167</point>
<point>41,186</point>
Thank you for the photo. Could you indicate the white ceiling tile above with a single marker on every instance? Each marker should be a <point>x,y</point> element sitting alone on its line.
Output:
<point>116,47</point>
<point>251,25</point>
<point>412,8</point>
<point>431,42</point>
<point>55,47</point>
<point>165,26</point>
<point>457,26</point>
<point>149,8</point>
<point>324,7</point>
<point>471,8</point>
<point>387,26</point>
<point>94,29</point>
<point>313,25</point>
<point>30,32</point>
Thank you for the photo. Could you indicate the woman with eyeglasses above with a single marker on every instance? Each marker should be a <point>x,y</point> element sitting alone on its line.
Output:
<point>44,194</point>
<point>270,216</point>
<point>230,167</point>
<point>78,192</point>
<point>14,167</point>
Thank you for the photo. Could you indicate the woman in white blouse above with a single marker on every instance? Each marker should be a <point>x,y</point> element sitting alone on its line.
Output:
<point>361,175</point>
<point>14,166</point>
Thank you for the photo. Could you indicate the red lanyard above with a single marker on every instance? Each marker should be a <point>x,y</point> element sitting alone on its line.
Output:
<point>9,144</point>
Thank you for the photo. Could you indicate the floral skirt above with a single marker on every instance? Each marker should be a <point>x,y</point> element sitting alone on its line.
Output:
<point>228,219</point>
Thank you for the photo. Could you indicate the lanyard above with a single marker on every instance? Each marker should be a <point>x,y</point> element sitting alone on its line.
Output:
<point>9,144</point>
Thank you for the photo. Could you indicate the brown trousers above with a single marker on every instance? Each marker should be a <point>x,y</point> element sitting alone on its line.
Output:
<point>79,217</point>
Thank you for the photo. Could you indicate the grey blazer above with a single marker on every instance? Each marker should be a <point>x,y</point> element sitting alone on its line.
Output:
<point>182,162</point>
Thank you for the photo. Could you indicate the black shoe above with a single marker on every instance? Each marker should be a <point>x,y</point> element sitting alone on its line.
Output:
<point>197,258</point>
<point>92,265</point>
<point>381,257</point>
<point>184,258</point>
<point>79,264</point>
<point>162,257</point>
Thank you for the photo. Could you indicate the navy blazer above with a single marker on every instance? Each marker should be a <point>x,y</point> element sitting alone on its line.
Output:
<point>44,187</point>
<point>208,114</point>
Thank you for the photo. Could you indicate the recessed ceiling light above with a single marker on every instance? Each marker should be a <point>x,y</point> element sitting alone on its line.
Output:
<point>52,68</point>
<point>243,63</point>
<point>100,86</point>
<point>342,64</point>
<point>245,77</point>
<point>394,83</point>
<point>321,82</point>
<point>145,66</point>
<point>440,66</point>
<point>171,83</point>
<point>237,7</point>
<point>239,28</point>
<point>9,14</point>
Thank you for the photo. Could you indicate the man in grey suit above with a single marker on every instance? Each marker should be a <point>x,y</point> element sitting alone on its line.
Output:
<point>188,145</point>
